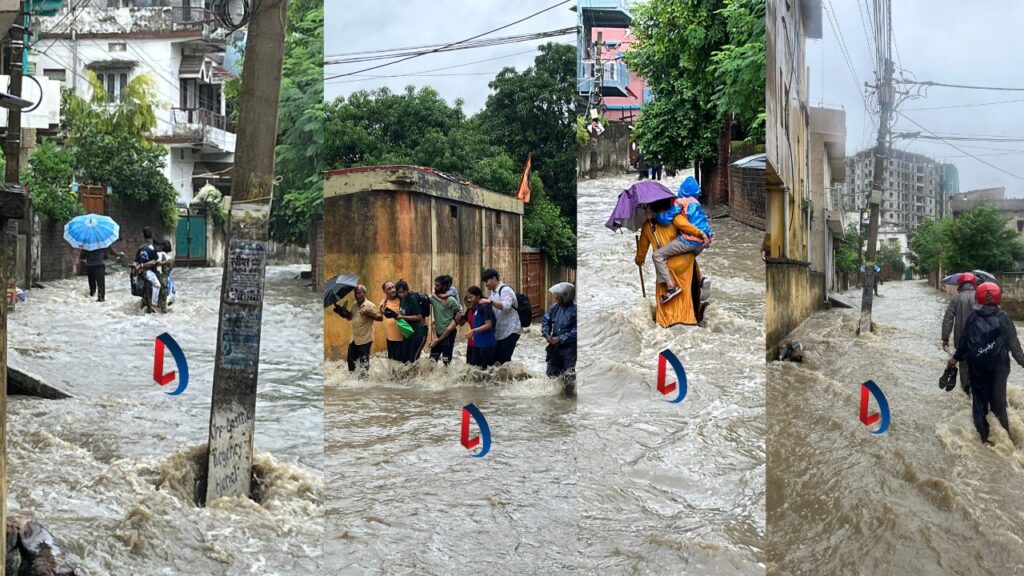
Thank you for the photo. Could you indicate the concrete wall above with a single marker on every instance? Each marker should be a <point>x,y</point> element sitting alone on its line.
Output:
<point>791,296</point>
<point>404,223</point>
<point>609,156</point>
<point>1012,284</point>
<point>57,260</point>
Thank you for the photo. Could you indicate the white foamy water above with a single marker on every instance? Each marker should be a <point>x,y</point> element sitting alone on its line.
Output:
<point>926,497</point>
<point>669,489</point>
<point>404,496</point>
<point>110,472</point>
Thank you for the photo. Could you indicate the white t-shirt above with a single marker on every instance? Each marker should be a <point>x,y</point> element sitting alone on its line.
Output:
<point>508,317</point>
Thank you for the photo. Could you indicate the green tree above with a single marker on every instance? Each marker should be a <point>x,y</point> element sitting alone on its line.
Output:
<point>675,42</point>
<point>528,112</point>
<point>104,145</point>
<point>980,239</point>
<point>300,132</point>
<point>48,181</point>
<point>848,252</point>
<point>928,244</point>
<point>534,111</point>
<point>740,66</point>
<point>890,254</point>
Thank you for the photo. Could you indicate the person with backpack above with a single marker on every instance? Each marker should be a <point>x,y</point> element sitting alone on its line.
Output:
<point>988,341</point>
<point>505,302</point>
<point>412,311</point>
<point>957,312</point>
<point>559,330</point>
<point>444,307</point>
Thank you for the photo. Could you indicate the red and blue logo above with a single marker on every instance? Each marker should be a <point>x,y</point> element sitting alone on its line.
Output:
<point>159,376</point>
<point>871,388</point>
<point>667,357</point>
<point>471,411</point>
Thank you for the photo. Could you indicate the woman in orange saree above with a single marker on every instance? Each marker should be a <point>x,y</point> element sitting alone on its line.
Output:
<point>686,307</point>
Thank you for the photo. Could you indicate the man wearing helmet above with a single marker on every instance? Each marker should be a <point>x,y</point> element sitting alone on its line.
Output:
<point>988,340</point>
<point>957,312</point>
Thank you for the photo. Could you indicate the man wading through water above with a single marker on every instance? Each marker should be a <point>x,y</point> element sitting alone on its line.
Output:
<point>362,316</point>
<point>988,340</point>
<point>503,299</point>
<point>957,312</point>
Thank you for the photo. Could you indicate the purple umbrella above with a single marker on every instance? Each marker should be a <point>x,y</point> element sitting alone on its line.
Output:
<point>952,279</point>
<point>626,213</point>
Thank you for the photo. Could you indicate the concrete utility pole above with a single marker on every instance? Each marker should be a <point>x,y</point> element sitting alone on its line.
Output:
<point>12,207</point>
<point>233,409</point>
<point>883,43</point>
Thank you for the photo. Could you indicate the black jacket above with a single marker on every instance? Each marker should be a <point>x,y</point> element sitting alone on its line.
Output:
<point>94,257</point>
<point>1007,331</point>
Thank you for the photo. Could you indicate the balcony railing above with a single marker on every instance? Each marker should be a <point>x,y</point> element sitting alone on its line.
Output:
<point>190,15</point>
<point>201,117</point>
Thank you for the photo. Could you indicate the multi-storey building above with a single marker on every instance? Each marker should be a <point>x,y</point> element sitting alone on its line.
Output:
<point>181,46</point>
<point>912,188</point>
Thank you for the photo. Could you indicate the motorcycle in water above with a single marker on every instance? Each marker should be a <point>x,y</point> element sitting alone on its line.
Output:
<point>141,287</point>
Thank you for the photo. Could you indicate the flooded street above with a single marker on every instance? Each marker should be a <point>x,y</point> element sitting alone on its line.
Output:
<point>926,497</point>
<point>669,488</point>
<point>404,496</point>
<point>110,472</point>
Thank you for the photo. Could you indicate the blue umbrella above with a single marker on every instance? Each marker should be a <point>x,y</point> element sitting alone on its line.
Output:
<point>877,269</point>
<point>91,231</point>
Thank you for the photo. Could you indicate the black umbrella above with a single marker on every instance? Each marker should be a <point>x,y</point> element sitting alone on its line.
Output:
<point>338,287</point>
<point>983,276</point>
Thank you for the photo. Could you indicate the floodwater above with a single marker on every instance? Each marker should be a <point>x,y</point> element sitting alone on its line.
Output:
<point>669,488</point>
<point>926,497</point>
<point>109,472</point>
<point>403,495</point>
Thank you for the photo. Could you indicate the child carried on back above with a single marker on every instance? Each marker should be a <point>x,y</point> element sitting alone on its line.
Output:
<point>687,205</point>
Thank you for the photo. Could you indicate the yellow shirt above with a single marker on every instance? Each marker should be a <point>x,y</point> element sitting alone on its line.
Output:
<point>394,333</point>
<point>362,326</point>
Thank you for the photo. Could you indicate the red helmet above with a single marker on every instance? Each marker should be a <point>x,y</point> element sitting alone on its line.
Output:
<point>989,293</point>
<point>967,277</point>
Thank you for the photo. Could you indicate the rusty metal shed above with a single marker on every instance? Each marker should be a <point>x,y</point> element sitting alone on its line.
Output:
<point>413,223</point>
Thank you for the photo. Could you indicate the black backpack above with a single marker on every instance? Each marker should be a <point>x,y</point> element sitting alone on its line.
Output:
<point>523,308</point>
<point>424,303</point>
<point>986,345</point>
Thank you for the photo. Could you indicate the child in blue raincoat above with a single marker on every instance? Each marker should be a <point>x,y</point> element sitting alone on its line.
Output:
<point>686,204</point>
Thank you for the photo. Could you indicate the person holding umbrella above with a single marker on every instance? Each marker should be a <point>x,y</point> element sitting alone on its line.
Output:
<point>93,233</point>
<point>362,318</point>
<point>955,319</point>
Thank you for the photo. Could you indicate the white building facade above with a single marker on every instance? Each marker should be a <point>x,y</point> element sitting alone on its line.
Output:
<point>180,47</point>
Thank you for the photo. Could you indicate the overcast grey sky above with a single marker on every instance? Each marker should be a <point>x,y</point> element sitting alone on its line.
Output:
<point>360,26</point>
<point>950,41</point>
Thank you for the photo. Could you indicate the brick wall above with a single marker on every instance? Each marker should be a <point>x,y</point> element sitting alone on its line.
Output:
<point>58,260</point>
<point>747,196</point>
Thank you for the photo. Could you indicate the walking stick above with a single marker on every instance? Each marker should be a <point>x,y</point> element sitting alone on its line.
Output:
<point>643,289</point>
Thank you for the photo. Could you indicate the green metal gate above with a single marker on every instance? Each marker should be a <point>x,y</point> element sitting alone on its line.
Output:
<point>190,247</point>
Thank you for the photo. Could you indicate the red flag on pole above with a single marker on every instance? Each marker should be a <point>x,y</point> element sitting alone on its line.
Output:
<point>524,185</point>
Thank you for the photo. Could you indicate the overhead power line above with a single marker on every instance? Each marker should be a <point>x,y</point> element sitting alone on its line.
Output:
<point>427,72</point>
<point>961,150</point>
<point>978,105</point>
<point>963,86</point>
<point>391,53</point>
<point>411,56</point>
